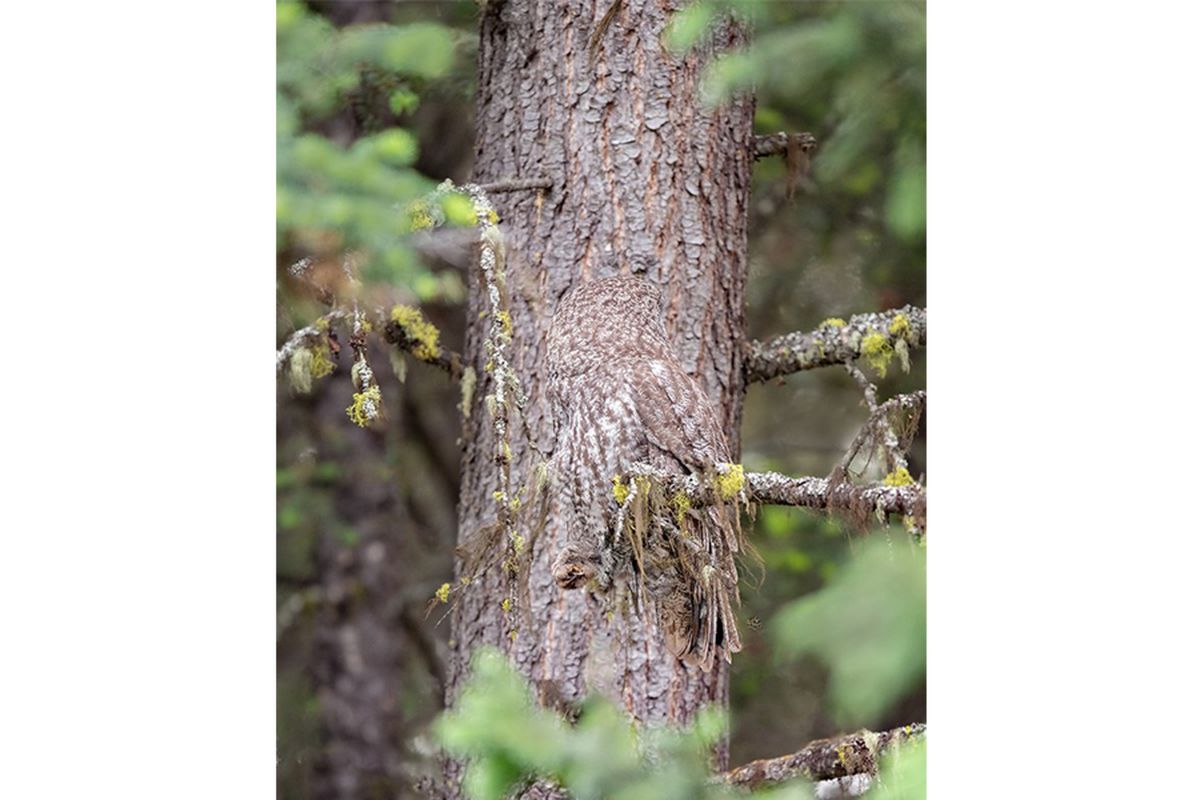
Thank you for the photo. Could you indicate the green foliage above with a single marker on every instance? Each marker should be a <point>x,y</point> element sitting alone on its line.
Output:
<point>509,740</point>
<point>334,197</point>
<point>868,626</point>
<point>851,72</point>
<point>902,774</point>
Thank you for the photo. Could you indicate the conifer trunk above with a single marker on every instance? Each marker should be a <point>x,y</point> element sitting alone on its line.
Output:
<point>646,180</point>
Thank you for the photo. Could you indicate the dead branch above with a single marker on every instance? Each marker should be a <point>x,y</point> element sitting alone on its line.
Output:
<point>516,185</point>
<point>446,360</point>
<point>776,144</point>
<point>824,759</point>
<point>838,342</point>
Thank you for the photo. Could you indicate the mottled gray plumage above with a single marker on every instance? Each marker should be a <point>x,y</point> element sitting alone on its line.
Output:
<point>621,397</point>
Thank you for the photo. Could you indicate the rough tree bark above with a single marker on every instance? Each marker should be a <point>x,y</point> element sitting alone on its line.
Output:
<point>645,180</point>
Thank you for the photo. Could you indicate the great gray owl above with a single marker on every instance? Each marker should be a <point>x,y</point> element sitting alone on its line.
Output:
<point>620,396</point>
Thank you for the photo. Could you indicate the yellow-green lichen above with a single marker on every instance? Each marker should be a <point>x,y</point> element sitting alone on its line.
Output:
<point>492,217</point>
<point>506,604</point>
<point>900,326</point>
<point>419,330</point>
<point>364,408</point>
<point>898,477</point>
<point>443,593</point>
<point>518,543</point>
<point>322,364</point>
<point>506,325</point>
<point>419,218</point>
<point>730,482</point>
<point>834,322</point>
<point>682,504</point>
<point>620,490</point>
<point>877,350</point>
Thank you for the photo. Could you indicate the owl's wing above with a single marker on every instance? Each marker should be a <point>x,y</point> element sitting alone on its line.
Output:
<point>679,418</point>
<point>684,434</point>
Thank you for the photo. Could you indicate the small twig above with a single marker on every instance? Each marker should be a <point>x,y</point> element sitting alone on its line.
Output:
<point>913,403</point>
<point>446,360</point>
<point>516,185</point>
<point>868,388</point>
<point>825,759</point>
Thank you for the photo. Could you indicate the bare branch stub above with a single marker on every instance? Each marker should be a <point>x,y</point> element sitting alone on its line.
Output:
<point>777,144</point>
<point>824,759</point>
<point>516,184</point>
<point>835,342</point>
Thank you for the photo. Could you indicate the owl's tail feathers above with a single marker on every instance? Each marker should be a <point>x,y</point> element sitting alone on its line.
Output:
<point>709,633</point>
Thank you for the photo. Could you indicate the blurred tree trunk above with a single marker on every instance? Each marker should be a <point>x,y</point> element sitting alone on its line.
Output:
<point>648,180</point>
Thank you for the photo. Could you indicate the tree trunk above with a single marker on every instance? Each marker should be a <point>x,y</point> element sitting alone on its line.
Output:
<point>646,180</point>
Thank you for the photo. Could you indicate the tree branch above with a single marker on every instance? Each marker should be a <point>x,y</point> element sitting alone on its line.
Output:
<point>446,360</point>
<point>772,488</point>
<point>776,144</point>
<point>837,342</point>
<point>824,759</point>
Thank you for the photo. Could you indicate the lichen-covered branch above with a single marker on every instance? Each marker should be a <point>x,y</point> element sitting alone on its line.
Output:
<point>408,330</point>
<point>877,336</point>
<point>772,488</point>
<point>824,759</point>
<point>299,339</point>
<point>776,144</point>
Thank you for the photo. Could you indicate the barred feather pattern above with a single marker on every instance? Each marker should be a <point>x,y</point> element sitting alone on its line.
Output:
<point>620,397</point>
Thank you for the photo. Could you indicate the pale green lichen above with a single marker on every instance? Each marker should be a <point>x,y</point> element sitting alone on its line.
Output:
<point>898,477</point>
<point>443,593</point>
<point>468,391</point>
<point>620,490</point>
<point>419,330</point>
<point>877,350</point>
<point>300,371</point>
<point>364,408</point>
<point>729,483</point>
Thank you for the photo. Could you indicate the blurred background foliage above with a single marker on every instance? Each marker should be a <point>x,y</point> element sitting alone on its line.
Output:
<point>375,104</point>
